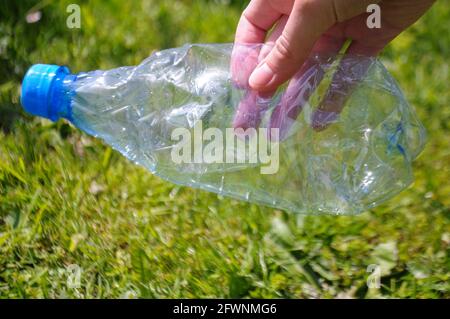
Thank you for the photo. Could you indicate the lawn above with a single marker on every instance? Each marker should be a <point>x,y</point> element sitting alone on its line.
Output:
<point>79,220</point>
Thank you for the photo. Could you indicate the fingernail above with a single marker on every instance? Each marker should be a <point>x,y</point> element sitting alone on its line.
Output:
<point>261,76</point>
<point>248,114</point>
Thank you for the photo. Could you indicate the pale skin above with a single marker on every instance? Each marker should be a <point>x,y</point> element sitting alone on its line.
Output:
<point>299,29</point>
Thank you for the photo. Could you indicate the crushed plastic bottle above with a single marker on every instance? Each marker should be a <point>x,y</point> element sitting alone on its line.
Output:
<point>338,159</point>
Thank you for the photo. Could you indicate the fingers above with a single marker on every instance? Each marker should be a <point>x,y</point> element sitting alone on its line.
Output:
<point>255,21</point>
<point>244,59</point>
<point>307,21</point>
<point>300,88</point>
<point>289,46</point>
<point>273,36</point>
<point>251,108</point>
<point>249,112</point>
<point>304,26</point>
<point>302,85</point>
<point>352,69</point>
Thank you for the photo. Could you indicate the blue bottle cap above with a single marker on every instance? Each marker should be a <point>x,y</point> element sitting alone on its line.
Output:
<point>38,89</point>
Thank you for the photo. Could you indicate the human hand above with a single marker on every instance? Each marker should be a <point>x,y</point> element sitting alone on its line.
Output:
<point>300,29</point>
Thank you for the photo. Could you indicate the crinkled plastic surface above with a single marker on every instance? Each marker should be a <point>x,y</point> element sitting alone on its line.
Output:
<point>348,136</point>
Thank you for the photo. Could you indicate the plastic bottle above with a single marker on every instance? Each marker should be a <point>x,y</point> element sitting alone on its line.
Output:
<point>362,158</point>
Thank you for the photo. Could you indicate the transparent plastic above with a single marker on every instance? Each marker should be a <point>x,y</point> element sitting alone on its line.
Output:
<point>347,134</point>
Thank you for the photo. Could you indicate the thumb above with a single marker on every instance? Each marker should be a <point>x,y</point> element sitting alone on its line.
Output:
<point>307,21</point>
<point>304,26</point>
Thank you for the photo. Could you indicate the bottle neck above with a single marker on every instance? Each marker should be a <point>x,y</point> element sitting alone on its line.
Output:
<point>60,96</point>
<point>47,91</point>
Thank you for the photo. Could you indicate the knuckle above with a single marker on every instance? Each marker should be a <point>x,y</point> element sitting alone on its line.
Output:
<point>283,48</point>
<point>308,7</point>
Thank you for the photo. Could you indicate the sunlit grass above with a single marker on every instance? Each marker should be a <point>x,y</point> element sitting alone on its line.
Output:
<point>67,199</point>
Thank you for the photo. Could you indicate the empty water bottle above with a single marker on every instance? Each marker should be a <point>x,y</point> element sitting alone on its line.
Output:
<point>339,139</point>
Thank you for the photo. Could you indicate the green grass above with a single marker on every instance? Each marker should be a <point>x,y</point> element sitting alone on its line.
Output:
<point>67,199</point>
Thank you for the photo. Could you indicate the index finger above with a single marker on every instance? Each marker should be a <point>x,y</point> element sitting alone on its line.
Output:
<point>256,20</point>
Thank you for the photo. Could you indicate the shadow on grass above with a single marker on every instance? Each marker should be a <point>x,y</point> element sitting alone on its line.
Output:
<point>8,116</point>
